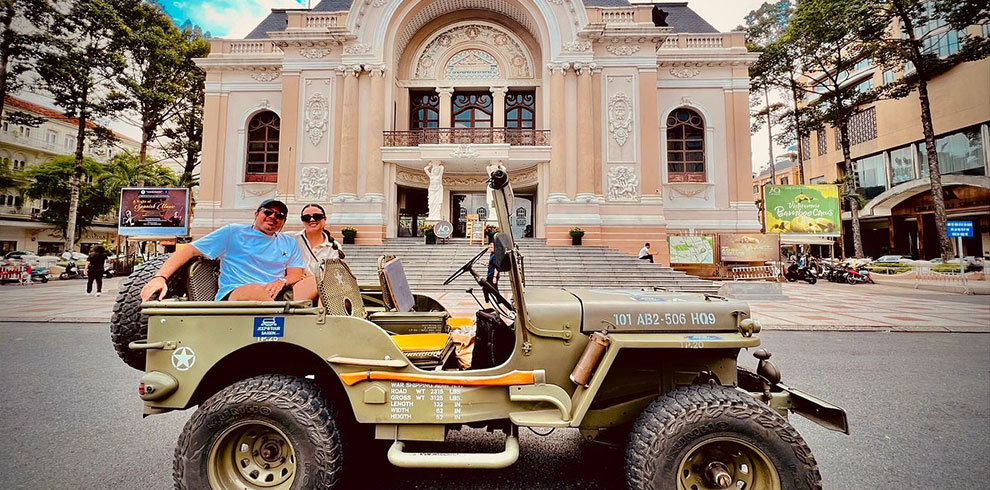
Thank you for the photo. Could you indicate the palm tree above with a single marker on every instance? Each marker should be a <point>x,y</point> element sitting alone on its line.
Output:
<point>849,194</point>
<point>125,170</point>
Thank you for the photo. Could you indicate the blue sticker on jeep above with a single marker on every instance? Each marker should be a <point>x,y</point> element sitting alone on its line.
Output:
<point>269,327</point>
<point>703,337</point>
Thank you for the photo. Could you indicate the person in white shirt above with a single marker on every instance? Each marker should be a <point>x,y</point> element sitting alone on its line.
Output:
<point>646,254</point>
<point>316,245</point>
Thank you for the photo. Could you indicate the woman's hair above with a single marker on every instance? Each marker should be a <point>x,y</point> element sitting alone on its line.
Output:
<point>100,249</point>
<point>313,205</point>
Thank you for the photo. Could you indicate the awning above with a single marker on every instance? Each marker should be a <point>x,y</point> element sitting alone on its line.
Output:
<point>805,240</point>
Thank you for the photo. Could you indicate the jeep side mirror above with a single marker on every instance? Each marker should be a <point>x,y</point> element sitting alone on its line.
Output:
<point>501,252</point>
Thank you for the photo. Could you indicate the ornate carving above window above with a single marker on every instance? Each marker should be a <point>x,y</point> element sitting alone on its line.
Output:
<point>471,64</point>
<point>458,39</point>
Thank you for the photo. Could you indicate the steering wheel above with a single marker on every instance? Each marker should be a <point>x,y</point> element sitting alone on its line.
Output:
<point>466,267</point>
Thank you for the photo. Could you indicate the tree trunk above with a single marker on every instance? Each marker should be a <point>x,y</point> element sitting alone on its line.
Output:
<point>5,42</point>
<point>74,182</point>
<point>850,186</point>
<point>773,165</point>
<point>798,132</point>
<point>935,175</point>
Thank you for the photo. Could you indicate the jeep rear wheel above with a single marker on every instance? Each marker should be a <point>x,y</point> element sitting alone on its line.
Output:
<point>272,432</point>
<point>127,323</point>
<point>714,437</point>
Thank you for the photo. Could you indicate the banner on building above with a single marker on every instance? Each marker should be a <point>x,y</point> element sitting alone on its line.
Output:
<point>749,247</point>
<point>151,211</point>
<point>691,249</point>
<point>802,209</point>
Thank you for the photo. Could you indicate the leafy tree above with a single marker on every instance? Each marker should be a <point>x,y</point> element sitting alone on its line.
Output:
<point>776,70</point>
<point>185,134</point>
<point>51,180</point>
<point>826,36</point>
<point>10,178</point>
<point>21,25</point>
<point>905,40</point>
<point>78,70</point>
<point>155,76</point>
<point>126,170</point>
<point>850,197</point>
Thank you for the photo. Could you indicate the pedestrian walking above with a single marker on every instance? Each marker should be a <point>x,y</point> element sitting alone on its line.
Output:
<point>94,270</point>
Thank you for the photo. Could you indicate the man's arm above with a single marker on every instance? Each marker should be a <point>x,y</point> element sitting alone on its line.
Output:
<point>172,264</point>
<point>292,276</point>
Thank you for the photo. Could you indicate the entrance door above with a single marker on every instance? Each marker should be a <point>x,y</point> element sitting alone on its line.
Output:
<point>521,213</point>
<point>413,210</point>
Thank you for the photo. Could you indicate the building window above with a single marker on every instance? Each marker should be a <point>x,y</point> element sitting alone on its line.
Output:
<point>783,181</point>
<point>942,45</point>
<point>424,110</point>
<point>871,175</point>
<point>901,165</point>
<point>888,76</point>
<point>958,153</point>
<point>817,180</point>
<point>471,110</point>
<point>262,149</point>
<point>756,189</point>
<point>26,131</point>
<point>822,142</point>
<point>864,85</point>
<point>6,127</point>
<point>862,127</point>
<point>7,246</point>
<point>69,140</point>
<point>51,137</point>
<point>806,146</point>
<point>685,146</point>
<point>520,109</point>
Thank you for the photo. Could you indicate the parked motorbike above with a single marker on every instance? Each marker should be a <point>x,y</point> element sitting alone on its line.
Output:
<point>72,271</point>
<point>854,275</point>
<point>795,272</point>
<point>40,274</point>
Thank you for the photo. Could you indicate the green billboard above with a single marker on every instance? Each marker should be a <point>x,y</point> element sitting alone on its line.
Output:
<point>802,209</point>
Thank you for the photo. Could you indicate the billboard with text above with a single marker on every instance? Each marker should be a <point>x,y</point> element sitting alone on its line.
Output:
<point>802,209</point>
<point>154,211</point>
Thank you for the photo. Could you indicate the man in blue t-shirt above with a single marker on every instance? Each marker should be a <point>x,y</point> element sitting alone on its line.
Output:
<point>257,262</point>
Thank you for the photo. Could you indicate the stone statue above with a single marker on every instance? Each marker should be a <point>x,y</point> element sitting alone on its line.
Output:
<point>434,170</point>
<point>489,195</point>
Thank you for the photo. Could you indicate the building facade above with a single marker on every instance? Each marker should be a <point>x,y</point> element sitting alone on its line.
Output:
<point>22,147</point>
<point>890,160</point>
<point>628,122</point>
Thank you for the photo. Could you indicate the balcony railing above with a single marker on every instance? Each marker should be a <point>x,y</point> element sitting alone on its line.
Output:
<point>462,136</point>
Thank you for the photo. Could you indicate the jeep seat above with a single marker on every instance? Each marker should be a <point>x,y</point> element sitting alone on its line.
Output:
<point>202,282</point>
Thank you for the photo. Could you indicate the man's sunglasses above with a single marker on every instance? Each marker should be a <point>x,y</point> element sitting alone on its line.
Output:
<point>278,214</point>
<point>313,217</point>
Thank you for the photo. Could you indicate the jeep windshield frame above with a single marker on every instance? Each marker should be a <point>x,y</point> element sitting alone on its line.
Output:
<point>502,192</point>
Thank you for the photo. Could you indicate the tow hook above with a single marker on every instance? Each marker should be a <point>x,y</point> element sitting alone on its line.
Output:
<point>768,371</point>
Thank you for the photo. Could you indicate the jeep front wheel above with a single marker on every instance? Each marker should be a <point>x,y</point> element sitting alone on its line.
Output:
<point>714,437</point>
<point>272,432</point>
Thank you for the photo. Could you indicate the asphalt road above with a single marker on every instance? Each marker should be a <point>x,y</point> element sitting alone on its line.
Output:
<point>918,404</point>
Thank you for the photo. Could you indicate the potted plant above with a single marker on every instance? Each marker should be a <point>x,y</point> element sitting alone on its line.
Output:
<point>349,234</point>
<point>490,231</point>
<point>431,237</point>
<point>576,234</point>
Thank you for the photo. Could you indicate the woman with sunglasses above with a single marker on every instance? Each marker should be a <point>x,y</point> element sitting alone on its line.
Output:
<point>316,245</point>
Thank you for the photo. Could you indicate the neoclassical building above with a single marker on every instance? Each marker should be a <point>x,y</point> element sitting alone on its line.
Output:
<point>628,121</point>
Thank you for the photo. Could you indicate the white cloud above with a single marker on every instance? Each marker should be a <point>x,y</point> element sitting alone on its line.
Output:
<point>232,18</point>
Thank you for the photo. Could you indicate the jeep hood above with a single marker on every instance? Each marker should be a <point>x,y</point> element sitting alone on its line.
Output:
<point>632,310</point>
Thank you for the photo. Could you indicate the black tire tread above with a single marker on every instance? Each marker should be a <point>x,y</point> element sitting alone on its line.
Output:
<point>127,323</point>
<point>688,404</point>
<point>301,396</point>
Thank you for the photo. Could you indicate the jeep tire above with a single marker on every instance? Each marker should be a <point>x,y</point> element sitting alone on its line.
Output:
<point>127,323</point>
<point>705,436</point>
<point>275,432</point>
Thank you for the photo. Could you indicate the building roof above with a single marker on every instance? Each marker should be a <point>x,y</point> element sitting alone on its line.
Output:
<point>53,114</point>
<point>680,17</point>
<point>780,165</point>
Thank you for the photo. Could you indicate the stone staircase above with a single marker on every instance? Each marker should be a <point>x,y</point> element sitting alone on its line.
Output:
<point>427,266</point>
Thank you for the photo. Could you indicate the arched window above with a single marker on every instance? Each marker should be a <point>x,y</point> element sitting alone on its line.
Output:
<point>685,146</point>
<point>472,110</point>
<point>262,148</point>
<point>520,109</point>
<point>424,110</point>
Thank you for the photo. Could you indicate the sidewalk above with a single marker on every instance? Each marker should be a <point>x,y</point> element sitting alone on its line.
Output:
<point>823,306</point>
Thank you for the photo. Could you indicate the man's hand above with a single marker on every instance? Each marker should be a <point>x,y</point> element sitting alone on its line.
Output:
<point>157,283</point>
<point>274,287</point>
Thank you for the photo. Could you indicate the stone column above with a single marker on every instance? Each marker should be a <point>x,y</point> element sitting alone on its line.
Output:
<point>649,124</point>
<point>596,97</point>
<point>349,135</point>
<point>585,136</point>
<point>374,186</point>
<point>288,130</point>
<point>558,180</point>
<point>498,113</point>
<point>445,122</point>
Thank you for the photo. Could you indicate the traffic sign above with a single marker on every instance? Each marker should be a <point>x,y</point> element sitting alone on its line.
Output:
<point>959,228</point>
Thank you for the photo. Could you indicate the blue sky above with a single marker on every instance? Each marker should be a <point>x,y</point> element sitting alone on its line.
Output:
<point>226,18</point>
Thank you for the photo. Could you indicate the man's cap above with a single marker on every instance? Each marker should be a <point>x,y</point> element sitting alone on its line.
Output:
<point>274,204</point>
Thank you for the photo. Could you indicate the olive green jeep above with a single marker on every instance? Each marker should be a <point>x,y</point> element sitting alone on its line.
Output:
<point>287,391</point>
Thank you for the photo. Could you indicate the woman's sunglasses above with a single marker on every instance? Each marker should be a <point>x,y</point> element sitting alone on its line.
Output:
<point>313,217</point>
<point>278,214</point>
